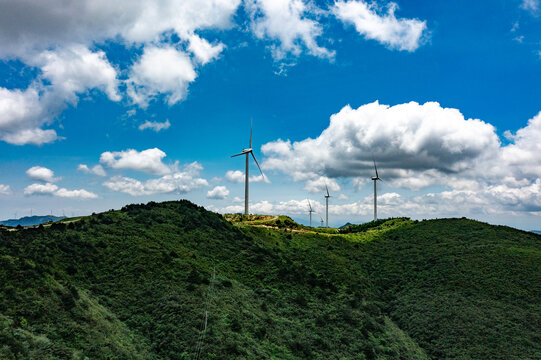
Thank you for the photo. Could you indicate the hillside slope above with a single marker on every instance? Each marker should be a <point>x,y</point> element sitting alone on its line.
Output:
<point>462,289</point>
<point>135,284</point>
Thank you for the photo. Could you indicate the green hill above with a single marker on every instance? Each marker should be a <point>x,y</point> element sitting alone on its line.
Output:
<point>135,284</point>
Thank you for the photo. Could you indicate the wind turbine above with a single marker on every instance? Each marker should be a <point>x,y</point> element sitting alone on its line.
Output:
<point>327,205</point>
<point>310,211</point>
<point>375,179</point>
<point>321,221</point>
<point>247,152</point>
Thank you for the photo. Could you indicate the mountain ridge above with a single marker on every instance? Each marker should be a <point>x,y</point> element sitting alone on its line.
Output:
<point>132,283</point>
<point>31,220</point>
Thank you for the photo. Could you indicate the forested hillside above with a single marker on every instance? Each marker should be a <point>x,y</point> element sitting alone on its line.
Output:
<point>135,284</point>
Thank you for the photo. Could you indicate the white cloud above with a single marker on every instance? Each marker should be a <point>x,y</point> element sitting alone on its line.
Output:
<point>178,181</point>
<point>154,125</point>
<point>55,38</point>
<point>160,70</point>
<point>27,25</point>
<point>52,189</point>
<point>21,115</point>
<point>149,161</point>
<point>259,178</point>
<point>40,173</point>
<point>203,50</point>
<point>317,185</point>
<point>75,194</point>
<point>401,34</point>
<point>75,69</point>
<point>65,73</point>
<point>469,171</point>
<point>219,192</point>
<point>40,189</point>
<point>404,138</point>
<point>237,176</point>
<point>234,176</point>
<point>5,189</point>
<point>96,169</point>
<point>530,5</point>
<point>287,25</point>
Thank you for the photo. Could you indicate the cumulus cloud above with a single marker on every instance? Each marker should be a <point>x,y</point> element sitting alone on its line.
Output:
<point>57,38</point>
<point>402,138</point>
<point>52,189</point>
<point>40,173</point>
<point>234,176</point>
<point>27,25</point>
<point>321,184</point>
<point>178,181</point>
<point>40,189</point>
<point>219,192</point>
<point>5,189</point>
<point>400,34</point>
<point>149,161</point>
<point>418,147</point>
<point>65,73</point>
<point>237,176</point>
<point>75,69</point>
<point>160,70</point>
<point>282,207</point>
<point>203,50</point>
<point>287,24</point>
<point>154,125</point>
<point>96,169</point>
<point>21,116</point>
<point>75,194</point>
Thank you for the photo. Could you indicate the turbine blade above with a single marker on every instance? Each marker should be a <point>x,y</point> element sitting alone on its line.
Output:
<point>259,167</point>
<point>309,205</point>
<point>375,168</point>
<point>242,153</point>
<point>327,190</point>
<point>251,126</point>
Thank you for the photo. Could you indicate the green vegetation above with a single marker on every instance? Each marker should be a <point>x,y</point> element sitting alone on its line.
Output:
<point>132,284</point>
<point>279,222</point>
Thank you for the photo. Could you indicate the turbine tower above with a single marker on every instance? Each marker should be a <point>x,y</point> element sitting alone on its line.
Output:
<point>310,211</point>
<point>248,152</point>
<point>327,205</point>
<point>375,179</point>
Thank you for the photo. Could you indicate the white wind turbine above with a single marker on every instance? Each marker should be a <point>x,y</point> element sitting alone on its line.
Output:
<point>248,152</point>
<point>375,179</point>
<point>327,205</point>
<point>322,221</point>
<point>310,211</point>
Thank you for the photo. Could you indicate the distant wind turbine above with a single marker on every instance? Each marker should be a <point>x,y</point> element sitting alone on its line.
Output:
<point>375,179</point>
<point>321,221</point>
<point>310,211</point>
<point>327,205</point>
<point>247,152</point>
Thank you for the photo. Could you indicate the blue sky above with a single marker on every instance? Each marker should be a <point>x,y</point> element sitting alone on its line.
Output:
<point>442,94</point>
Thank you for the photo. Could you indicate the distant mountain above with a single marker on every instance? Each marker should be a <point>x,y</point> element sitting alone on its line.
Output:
<point>536,231</point>
<point>31,220</point>
<point>346,224</point>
